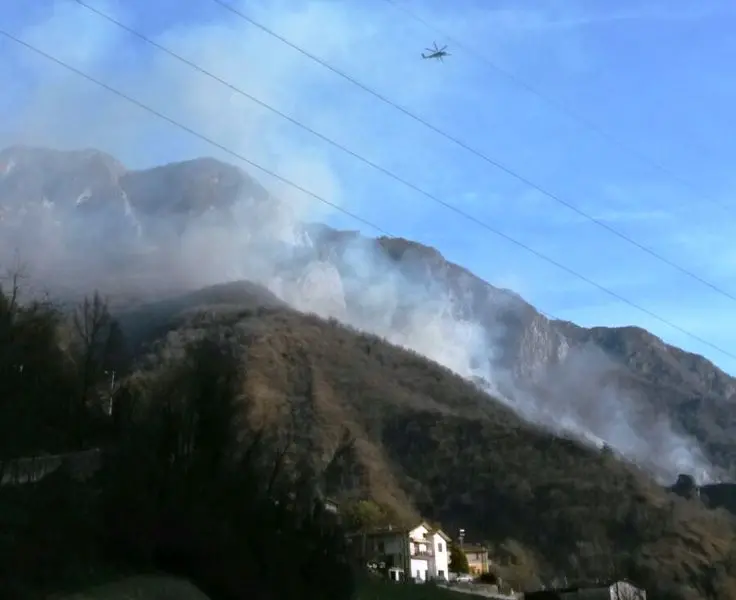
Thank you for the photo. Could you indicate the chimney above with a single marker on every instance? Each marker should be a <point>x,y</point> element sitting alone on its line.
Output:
<point>390,527</point>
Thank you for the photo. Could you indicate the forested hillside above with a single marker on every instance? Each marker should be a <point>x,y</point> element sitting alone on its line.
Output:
<point>180,487</point>
<point>82,221</point>
<point>379,422</point>
<point>328,364</point>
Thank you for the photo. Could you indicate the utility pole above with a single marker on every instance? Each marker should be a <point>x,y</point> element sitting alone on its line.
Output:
<point>112,390</point>
<point>461,537</point>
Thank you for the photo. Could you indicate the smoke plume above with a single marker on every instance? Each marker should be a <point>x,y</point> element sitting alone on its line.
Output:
<point>79,238</point>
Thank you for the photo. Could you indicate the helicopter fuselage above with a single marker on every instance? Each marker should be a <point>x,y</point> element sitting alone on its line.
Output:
<point>434,55</point>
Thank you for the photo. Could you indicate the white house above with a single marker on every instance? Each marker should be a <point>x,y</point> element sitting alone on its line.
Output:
<point>429,555</point>
<point>420,553</point>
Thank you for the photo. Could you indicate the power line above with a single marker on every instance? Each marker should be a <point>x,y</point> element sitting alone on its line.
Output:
<point>296,186</point>
<point>265,105</point>
<point>560,106</point>
<point>523,179</point>
<point>183,127</point>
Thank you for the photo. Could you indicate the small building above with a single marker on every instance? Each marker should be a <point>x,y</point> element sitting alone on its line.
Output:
<point>331,506</point>
<point>608,590</point>
<point>477,556</point>
<point>419,553</point>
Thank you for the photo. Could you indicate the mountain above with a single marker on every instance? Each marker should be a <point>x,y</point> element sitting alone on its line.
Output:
<point>81,220</point>
<point>712,495</point>
<point>425,441</point>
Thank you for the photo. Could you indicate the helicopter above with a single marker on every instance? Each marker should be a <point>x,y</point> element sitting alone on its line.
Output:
<point>436,52</point>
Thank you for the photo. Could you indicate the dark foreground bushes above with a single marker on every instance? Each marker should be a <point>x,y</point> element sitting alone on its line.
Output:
<point>186,488</point>
<point>187,491</point>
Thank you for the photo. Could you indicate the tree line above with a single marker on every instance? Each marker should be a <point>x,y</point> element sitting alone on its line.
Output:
<point>185,484</point>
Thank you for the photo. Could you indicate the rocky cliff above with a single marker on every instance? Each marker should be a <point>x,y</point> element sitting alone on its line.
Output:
<point>81,220</point>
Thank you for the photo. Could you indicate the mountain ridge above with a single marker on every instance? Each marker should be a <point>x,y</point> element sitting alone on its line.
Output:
<point>187,225</point>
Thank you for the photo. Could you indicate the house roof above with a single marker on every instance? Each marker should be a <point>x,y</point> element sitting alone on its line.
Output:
<point>605,583</point>
<point>390,530</point>
<point>432,530</point>
<point>427,526</point>
<point>474,548</point>
<point>611,582</point>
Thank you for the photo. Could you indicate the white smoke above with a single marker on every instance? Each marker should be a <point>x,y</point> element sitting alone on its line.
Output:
<point>272,248</point>
<point>376,295</point>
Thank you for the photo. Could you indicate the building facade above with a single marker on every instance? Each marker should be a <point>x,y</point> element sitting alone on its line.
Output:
<point>477,557</point>
<point>419,554</point>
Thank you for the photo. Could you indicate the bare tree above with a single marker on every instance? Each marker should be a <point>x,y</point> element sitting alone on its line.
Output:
<point>12,416</point>
<point>14,277</point>
<point>9,302</point>
<point>97,351</point>
<point>33,377</point>
<point>216,491</point>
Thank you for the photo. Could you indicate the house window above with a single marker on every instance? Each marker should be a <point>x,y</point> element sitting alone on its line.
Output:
<point>441,574</point>
<point>381,547</point>
<point>439,547</point>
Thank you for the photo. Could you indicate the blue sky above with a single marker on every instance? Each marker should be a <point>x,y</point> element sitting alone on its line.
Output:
<point>654,75</point>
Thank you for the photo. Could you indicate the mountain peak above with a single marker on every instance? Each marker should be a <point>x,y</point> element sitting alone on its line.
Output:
<point>201,221</point>
<point>191,187</point>
<point>59,161</point>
